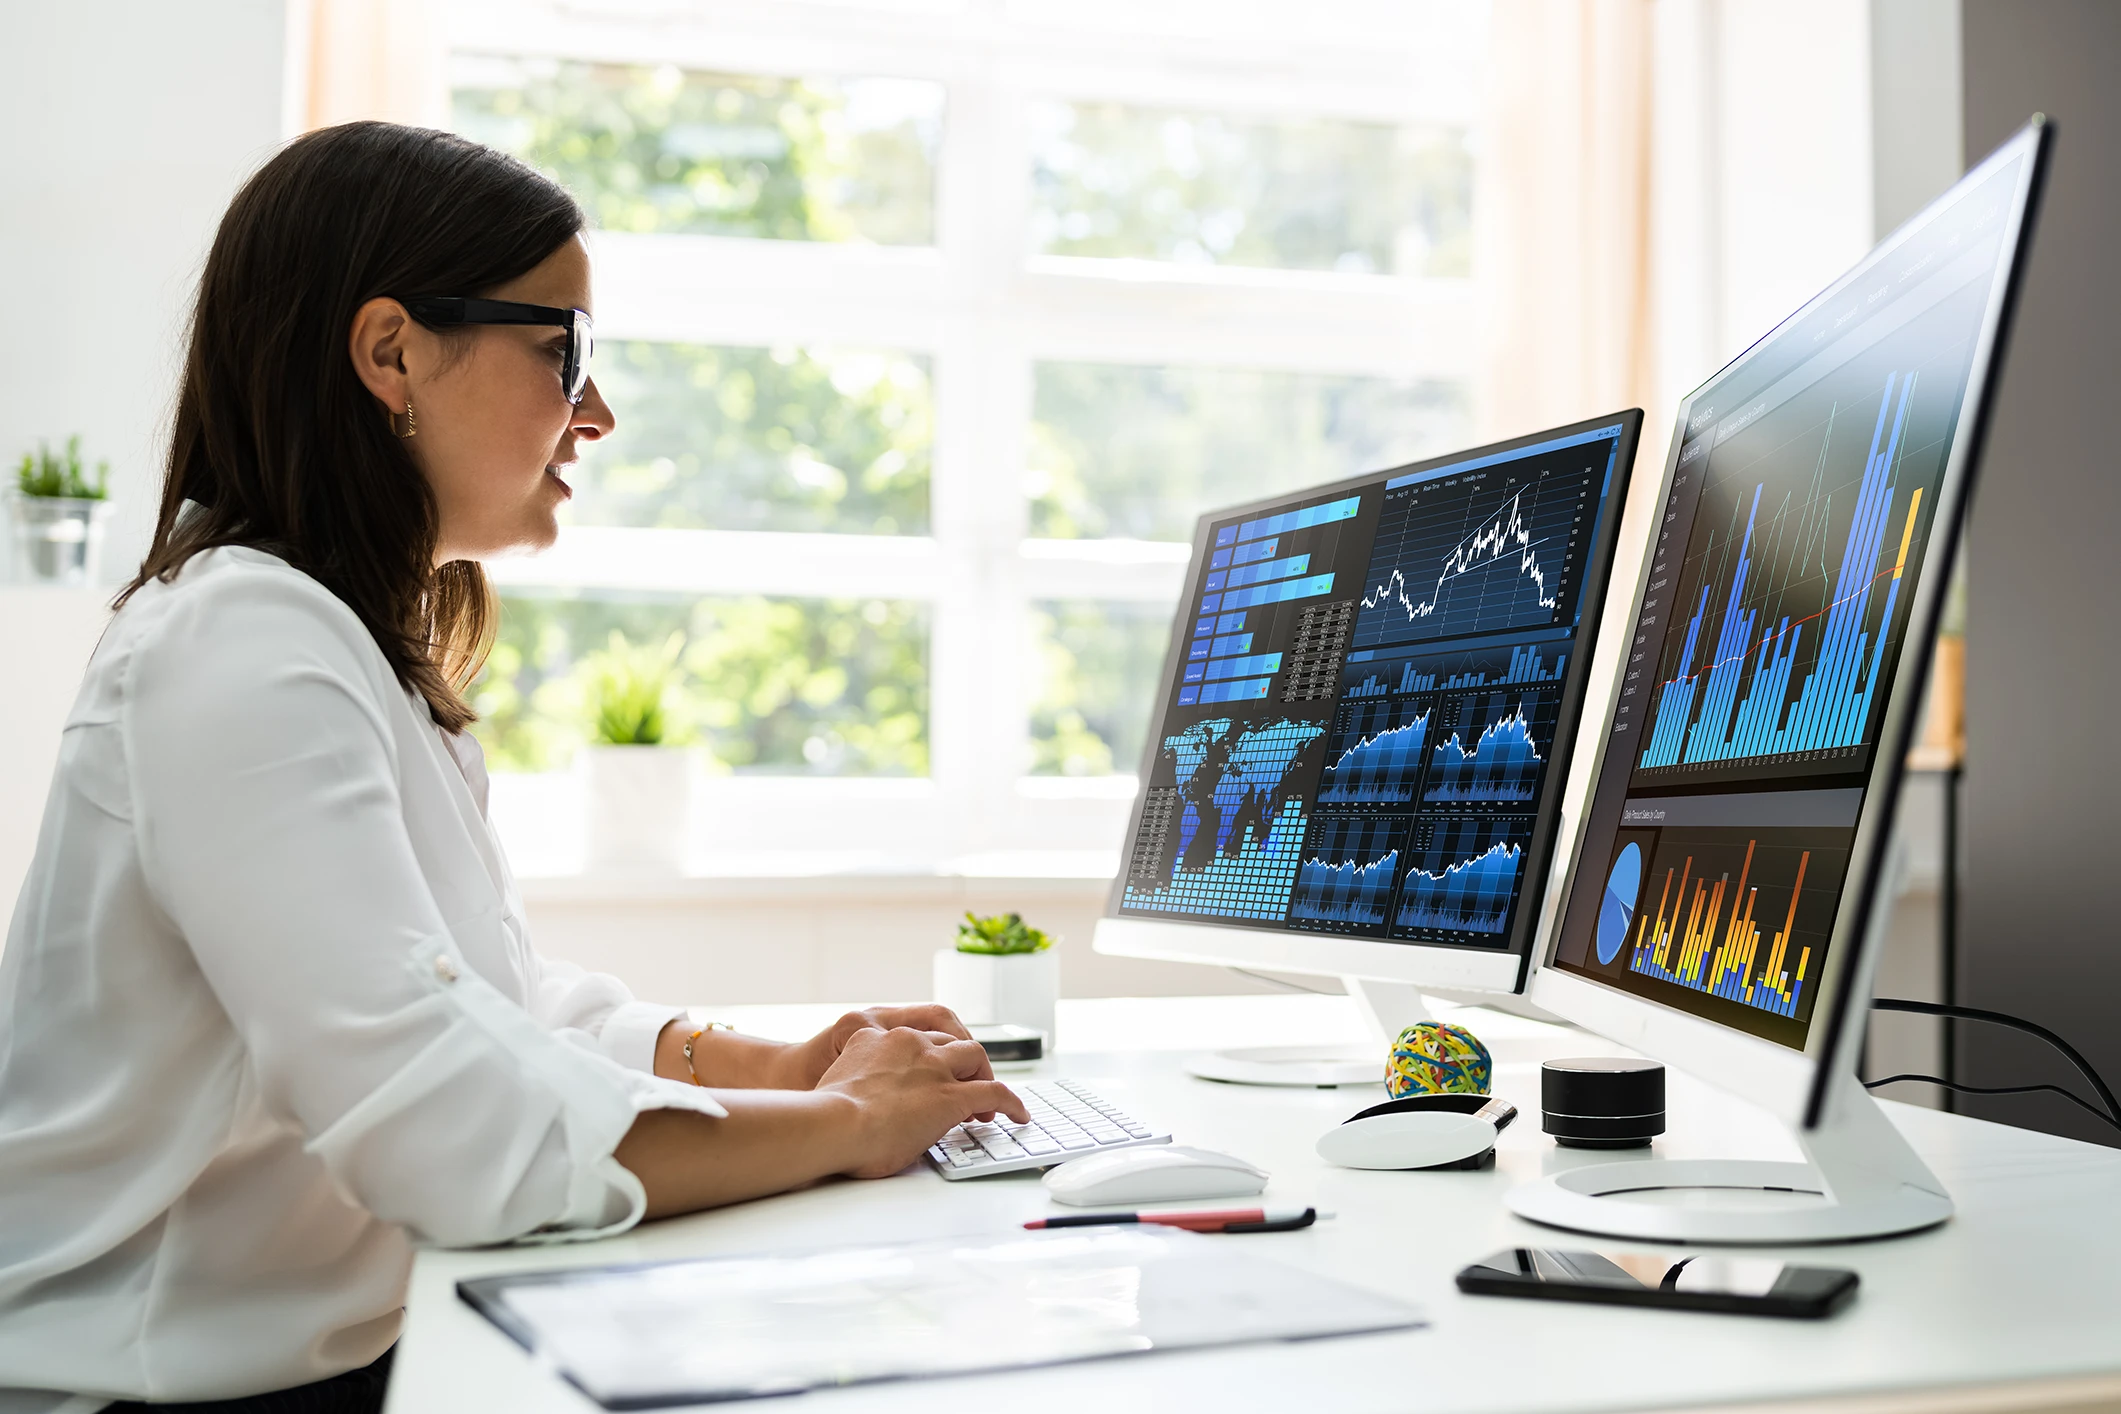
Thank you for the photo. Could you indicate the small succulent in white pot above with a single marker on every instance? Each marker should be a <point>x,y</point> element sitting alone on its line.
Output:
<point>639,785</point>
<point>1002,972</point>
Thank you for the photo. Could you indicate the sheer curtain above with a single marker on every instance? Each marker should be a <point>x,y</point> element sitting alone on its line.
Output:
<point>1564,213</point>
<point>369,59</point>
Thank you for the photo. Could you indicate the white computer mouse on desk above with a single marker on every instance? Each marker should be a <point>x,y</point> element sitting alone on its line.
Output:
<point>1419,1132</point>
<point>1163,1173</point>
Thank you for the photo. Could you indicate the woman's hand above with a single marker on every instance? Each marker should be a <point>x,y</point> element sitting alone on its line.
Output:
<point>886,1096</point>
<point>909,1088</point>
<point>805,1064</point>
<point>730,1060</point>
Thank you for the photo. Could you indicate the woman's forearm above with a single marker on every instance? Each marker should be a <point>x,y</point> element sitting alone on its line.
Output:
<point>770,1141</point>
<point>726,1060</point>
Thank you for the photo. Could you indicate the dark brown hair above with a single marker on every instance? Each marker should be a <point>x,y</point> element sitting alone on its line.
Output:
<point>276,439</point>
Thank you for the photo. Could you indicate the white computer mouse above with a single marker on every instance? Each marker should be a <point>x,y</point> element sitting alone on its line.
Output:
<point>1419,1132</point>
<point>1164,1173</point>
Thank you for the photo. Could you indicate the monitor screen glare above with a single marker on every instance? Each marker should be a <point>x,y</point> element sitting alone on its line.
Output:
<point>1371,695</point>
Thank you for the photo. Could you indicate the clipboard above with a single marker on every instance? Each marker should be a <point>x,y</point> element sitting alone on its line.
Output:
<point>650,1335</point>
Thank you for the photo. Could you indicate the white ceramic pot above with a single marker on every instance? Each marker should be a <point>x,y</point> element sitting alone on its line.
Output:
<point>640,800</point>
<point>1012,989</point>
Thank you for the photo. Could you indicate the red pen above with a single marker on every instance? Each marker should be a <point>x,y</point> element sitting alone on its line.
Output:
<point>1283,1219</point>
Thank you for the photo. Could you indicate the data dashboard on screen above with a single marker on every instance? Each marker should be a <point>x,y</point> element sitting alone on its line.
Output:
<point>1795,528</point>
<point>1372,693</point>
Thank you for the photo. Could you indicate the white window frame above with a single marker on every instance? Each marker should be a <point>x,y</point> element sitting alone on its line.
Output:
<point>986,312</point>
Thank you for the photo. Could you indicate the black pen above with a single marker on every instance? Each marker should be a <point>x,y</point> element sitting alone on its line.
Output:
<point>1284,1219</point>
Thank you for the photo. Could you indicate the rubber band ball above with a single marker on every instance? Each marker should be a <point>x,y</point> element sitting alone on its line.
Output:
<point>1437,1058</point>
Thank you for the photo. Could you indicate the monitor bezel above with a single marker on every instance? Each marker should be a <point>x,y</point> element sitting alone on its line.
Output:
<point>1329,954</point>
<point>1797,1084</point>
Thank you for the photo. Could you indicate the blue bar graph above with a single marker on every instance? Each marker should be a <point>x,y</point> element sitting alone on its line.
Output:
<point>1297,520</point>
<point>1524,664</point>
<point>1234,690</point>
<point>1260,571</point>
<point>1244,667</point>
<point>1700,717</point>
<point>1309,588</point>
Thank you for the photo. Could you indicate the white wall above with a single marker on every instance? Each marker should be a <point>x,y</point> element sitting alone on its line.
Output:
<point>129,125</point>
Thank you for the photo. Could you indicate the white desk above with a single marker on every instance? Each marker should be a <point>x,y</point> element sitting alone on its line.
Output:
<point>2024,1285</point>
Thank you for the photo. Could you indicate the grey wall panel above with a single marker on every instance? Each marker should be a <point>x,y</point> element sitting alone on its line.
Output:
<point>2039,935</point>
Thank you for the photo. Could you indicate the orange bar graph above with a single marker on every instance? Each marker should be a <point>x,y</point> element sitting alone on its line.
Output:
<point>1717,940</point>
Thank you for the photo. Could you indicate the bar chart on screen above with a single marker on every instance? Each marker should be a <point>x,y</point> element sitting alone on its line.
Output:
<point>1782,647</point>
<point>1370,676</point>
<point>1253,568</point>
<point>1735,914</point>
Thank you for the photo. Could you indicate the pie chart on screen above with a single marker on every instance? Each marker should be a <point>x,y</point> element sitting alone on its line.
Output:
<point>1618,910</point>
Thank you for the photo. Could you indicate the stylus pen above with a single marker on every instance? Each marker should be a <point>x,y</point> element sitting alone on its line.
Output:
<point>1227,1220</point>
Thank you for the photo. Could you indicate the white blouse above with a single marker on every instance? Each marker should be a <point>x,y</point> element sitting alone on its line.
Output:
<point>268,1015</point>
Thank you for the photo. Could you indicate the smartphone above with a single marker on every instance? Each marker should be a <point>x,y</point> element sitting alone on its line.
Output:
<point>1746,1286</point>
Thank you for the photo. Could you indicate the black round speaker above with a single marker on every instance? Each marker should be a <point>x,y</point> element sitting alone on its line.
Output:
<point>1602,1102</point>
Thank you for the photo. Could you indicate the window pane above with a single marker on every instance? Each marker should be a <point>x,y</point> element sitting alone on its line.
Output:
<point>1288,193</point>
<point>760,439</point>
<point>787,686</point>
<point>667,149</point>
<point>1098,661</point>
<point>1139,452</point>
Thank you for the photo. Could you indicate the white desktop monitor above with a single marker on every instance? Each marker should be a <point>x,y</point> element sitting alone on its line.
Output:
<point>1365,719</point>
<point>1730,869</point>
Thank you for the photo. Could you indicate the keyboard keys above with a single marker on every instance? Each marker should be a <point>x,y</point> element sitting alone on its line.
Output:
<point>1067,1119</point>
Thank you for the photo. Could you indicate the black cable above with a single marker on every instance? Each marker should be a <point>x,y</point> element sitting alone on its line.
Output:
<point>1996,1018</point>
<point>2078,1100</point>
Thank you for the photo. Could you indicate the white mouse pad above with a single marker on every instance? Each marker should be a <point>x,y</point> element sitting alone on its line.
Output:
<point>738,1327</point>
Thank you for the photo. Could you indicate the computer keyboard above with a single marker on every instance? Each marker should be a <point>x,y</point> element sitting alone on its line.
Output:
<point>1068,1120</point>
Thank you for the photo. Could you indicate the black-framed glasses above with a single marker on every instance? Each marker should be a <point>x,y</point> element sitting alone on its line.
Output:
<point>449,311</point>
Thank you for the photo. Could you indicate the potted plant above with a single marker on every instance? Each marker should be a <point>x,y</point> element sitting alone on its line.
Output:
<point>638,784</point>
<point>1002,972</point>
<point>60,515</point>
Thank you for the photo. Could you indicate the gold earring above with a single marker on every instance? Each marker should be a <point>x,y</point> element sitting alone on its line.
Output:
<point>409,426</point>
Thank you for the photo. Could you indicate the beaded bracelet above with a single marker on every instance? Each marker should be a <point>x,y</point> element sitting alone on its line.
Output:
<point>691,1069</point>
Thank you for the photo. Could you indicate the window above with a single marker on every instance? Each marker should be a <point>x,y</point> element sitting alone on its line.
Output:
<point>931,326</point>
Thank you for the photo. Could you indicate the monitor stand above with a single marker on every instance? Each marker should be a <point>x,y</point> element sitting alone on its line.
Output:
<point>1863,1180</point>
<point>1387,1009</point>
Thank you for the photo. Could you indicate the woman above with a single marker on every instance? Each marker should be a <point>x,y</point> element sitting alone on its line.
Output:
<point>267,1010</point>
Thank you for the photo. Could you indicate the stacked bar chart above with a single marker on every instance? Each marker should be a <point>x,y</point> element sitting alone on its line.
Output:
<point>1348,873</point>
<point>1731,702</point>
<point>1749,933</point>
